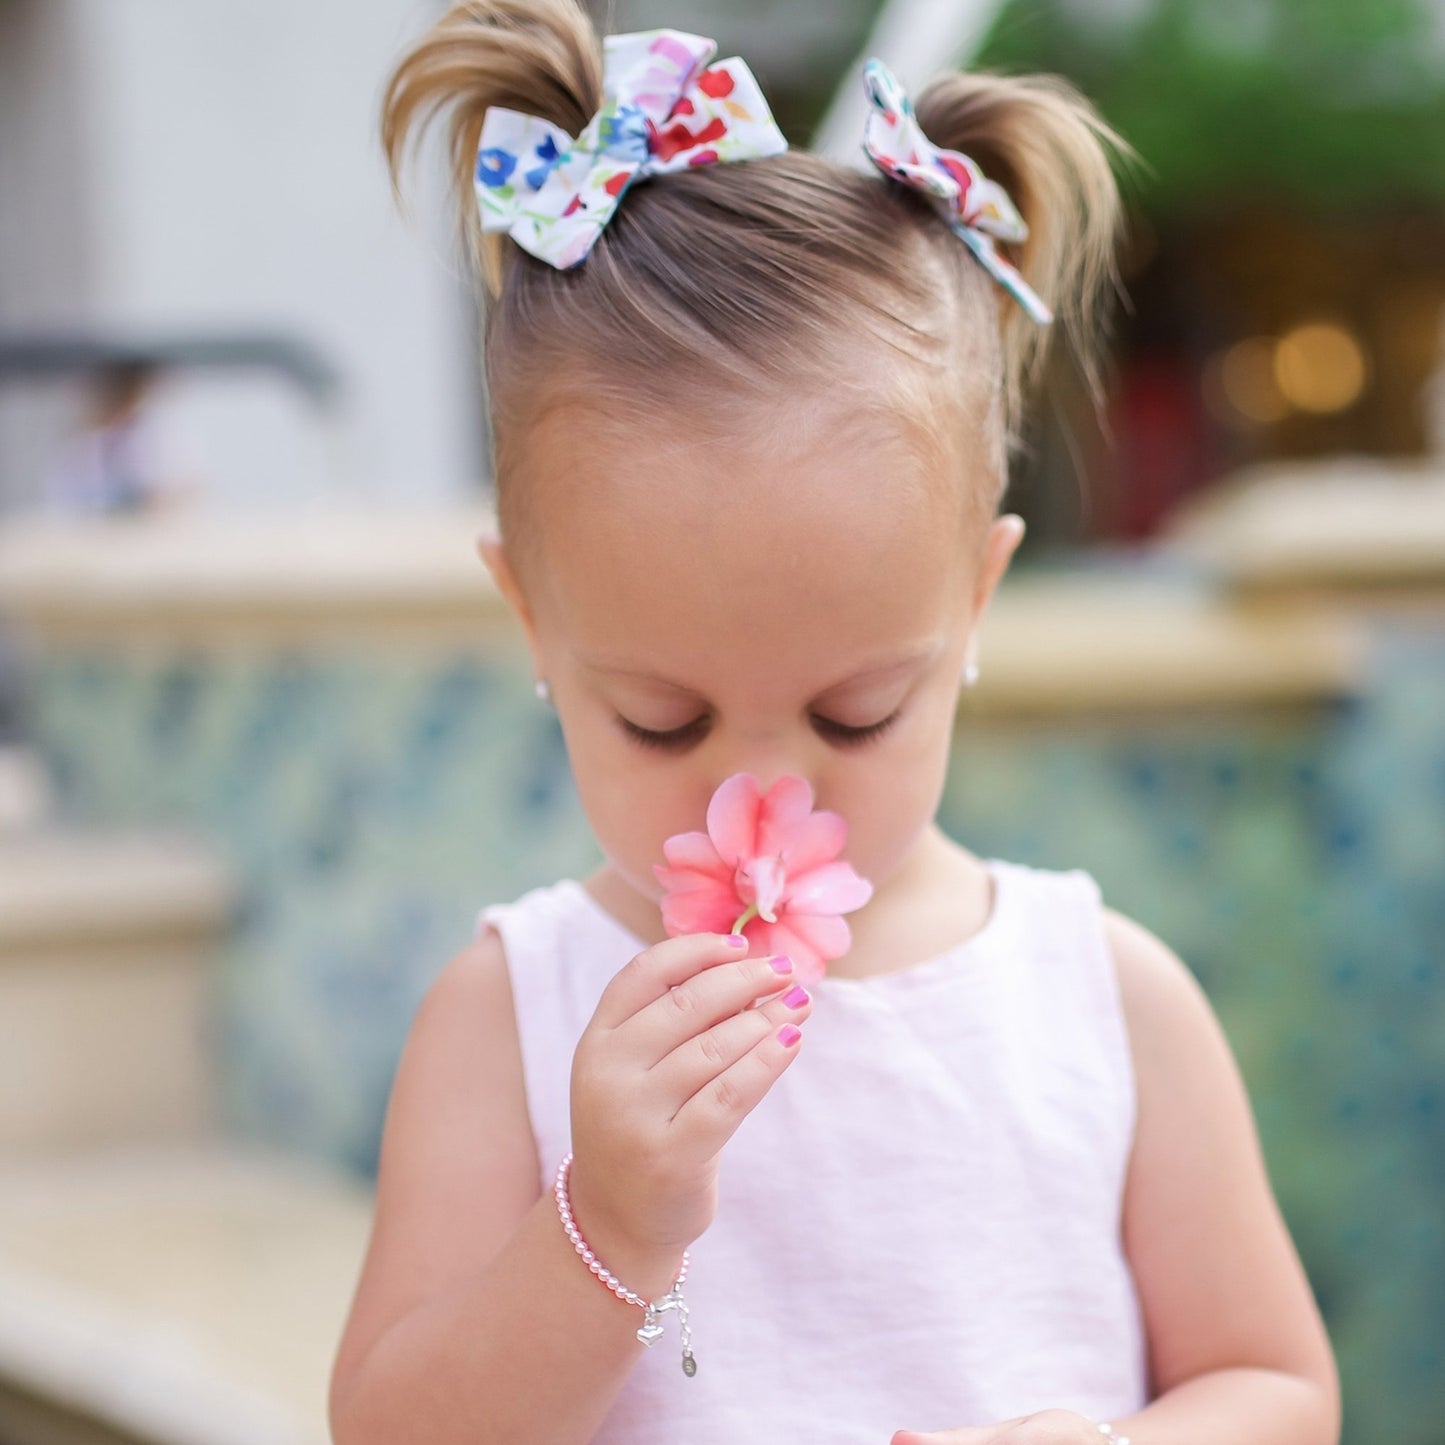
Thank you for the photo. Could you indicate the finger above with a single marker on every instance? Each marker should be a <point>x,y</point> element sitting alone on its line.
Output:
<point>963,1435</point>
<point>652,972</point>
<point>711,1116</point>
<point>700,1059</point>
<point>693,1007</point>
<point>966,1435</point>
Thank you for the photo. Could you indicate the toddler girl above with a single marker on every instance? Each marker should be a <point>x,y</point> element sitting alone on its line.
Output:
<point>992,1176</point>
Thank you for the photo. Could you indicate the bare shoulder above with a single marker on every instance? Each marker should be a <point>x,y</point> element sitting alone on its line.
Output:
<point>458,1168</point>
<point>1163,1001</point>
<point>1220,1282</point>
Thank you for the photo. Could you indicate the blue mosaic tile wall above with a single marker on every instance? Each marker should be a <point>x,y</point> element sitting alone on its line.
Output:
<point>372,802</point>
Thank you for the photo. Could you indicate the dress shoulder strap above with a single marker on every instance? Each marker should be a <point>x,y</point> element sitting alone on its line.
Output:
<point>1057,923</point>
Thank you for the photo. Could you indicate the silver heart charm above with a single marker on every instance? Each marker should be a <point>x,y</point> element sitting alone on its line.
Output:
<point>650,1334</point>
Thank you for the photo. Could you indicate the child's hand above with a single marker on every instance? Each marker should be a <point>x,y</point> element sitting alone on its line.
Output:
<point>1047,1427</point>
<point>670,1064</point>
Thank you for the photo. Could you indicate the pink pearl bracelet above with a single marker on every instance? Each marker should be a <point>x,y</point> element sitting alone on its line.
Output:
<point>651,1329</point>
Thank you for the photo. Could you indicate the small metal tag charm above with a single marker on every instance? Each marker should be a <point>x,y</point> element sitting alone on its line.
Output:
<point>651,1330</point>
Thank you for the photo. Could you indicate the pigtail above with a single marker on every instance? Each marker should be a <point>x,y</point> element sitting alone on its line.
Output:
<point>1040,139</point>
<point>541,57</point>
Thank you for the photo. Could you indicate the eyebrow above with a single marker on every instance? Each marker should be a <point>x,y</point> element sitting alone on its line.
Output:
<point>898,664</point>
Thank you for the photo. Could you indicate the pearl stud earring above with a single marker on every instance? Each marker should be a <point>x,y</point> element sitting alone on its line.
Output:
<point>544,690</point>
<point>970,674</point>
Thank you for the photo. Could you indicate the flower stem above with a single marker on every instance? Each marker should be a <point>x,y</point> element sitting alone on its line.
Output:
<point>745,918</point>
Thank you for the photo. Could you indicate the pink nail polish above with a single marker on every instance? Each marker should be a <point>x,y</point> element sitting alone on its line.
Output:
<point>788,1035</point>
<point>735,940</point>
<point>782,963</point>
<point>796,997</point>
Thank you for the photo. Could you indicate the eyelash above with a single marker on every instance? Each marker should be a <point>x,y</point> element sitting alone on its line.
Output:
<point>674,739</point>
<point>854,736</point>
<point>679,738</point>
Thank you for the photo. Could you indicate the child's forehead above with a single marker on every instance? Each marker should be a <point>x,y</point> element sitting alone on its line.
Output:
<point>787,456</point>
<point>817,525</point>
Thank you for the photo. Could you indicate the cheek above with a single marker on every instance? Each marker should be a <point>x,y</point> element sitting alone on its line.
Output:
<point>892,796</point>
<point>633,800</point>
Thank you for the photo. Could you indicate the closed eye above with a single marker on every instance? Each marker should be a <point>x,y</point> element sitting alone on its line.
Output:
<point>674,738</point>
<point>677,739</point>
<point>849,736</point>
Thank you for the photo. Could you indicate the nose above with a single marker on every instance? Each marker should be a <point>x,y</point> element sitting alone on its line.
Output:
<point>769,755</point>
<point>769,772</point>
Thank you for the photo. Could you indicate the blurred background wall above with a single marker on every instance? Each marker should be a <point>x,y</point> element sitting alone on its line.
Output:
<point>211,168</point>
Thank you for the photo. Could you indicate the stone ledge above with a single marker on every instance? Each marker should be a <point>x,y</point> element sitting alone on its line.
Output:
<point>209,577</point>
<point>1344,524</point>
<point>1105,643</point>
<point>64,886</point>
<point>185,1296</point>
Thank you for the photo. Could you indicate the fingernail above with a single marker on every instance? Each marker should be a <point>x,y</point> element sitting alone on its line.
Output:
<point>735,940</point>
<point>782,963</point>
<point>796,997</point>
<point>788,1035</point>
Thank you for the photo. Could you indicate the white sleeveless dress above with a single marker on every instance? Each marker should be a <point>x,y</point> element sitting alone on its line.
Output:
<point>918,1227</point>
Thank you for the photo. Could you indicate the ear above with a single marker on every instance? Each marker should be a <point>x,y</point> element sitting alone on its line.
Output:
<point>493,554</point>
<point>1004,536</point>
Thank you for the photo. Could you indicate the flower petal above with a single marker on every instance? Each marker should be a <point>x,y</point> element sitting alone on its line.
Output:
<point>762,938</point>
<point>694,851</point>
<point>700,910</point>
<point>832,888</point>
<point>691,880</point>
<point>783,807</point>
<point>783,937</point>
<point>816,839</point>
<point>823,934</point>
<point>732,818</point>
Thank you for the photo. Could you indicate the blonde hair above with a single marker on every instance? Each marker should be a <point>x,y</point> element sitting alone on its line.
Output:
<point>729,279</point>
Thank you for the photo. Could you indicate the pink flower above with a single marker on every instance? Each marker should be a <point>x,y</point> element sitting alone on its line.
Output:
<point>768,868</point>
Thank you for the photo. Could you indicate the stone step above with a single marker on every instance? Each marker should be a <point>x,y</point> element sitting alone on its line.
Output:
<point>105,939</point>
<point>173,1295</point>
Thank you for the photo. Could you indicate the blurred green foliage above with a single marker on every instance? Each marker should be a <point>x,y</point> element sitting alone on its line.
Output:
<point>1315,102</point>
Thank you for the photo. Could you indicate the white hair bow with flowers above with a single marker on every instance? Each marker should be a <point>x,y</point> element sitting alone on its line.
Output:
<point>664,108</point>
<point>978,210</point>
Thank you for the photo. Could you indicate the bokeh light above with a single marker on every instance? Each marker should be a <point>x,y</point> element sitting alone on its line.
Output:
<point>1248,383</point>
<point>1320,367</point>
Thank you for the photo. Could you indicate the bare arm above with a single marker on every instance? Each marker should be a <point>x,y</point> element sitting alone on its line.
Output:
<point>1237,1348</point>
<point>472,1304</point>
<point>475,1322</point>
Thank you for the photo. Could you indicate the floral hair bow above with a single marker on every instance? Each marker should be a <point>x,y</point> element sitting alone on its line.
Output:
<point>664,108</point>
<point>977,209</point>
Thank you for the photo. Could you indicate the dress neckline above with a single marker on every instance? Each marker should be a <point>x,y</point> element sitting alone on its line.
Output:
<point>908,976</point>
